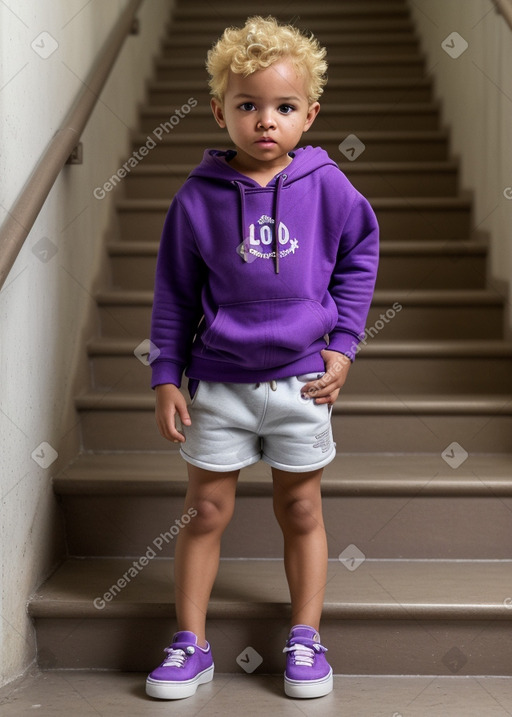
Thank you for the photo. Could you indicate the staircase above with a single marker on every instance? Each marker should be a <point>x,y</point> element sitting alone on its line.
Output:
<point>418,503</point>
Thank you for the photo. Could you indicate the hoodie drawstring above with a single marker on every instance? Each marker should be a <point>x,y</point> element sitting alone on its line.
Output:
<point>277,197</point>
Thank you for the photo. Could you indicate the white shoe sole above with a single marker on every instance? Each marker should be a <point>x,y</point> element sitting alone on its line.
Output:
<point>177,690</point>
<point>306,690</point>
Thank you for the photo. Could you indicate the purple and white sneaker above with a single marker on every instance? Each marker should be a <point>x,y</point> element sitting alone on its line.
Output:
<point>307,674</point>
<point>186,666</point>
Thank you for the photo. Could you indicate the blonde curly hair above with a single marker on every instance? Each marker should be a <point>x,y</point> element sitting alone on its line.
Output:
<point>261,43</point>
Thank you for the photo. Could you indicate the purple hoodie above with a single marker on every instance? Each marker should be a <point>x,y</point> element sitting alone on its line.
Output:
<point>237,301</point>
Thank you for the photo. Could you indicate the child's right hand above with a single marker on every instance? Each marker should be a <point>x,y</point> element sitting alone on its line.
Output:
<point>169,402</point>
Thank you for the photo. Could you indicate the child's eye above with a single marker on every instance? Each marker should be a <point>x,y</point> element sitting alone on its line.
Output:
<point>286,109</point>
<point>247,106</point>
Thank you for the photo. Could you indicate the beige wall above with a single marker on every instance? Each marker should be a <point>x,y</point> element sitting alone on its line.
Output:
<point>476,93</point>
<point>46,305</point>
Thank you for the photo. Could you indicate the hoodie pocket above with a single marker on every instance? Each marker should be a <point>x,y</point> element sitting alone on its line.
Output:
<point>266,333</point>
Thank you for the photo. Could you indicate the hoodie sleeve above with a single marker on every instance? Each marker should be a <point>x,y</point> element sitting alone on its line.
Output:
<point>177,299</point>
<point>353,279</point>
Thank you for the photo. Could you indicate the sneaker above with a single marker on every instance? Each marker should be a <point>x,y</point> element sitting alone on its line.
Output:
<point>307,674</point>
<point>186,666</point>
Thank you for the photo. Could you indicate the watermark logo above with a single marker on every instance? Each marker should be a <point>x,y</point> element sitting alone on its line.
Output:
<point>249,659</point>
<point>454,660</point>
<point>44,455</point>
<point>352,147</point>
<point>352,557</point>
<point>507,192</point>
<point>454,455</point>
<point>44,249</point>
<point>146,352</point>
<point>454,45</point>
<point>44,45</point>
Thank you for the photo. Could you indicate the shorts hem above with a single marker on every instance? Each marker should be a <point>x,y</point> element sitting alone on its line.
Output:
<point>218,468</point>
<point>300,469</point>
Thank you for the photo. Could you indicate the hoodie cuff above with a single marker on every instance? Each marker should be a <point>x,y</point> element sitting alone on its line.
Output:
<point>344,344</point>
<point>166,372</point>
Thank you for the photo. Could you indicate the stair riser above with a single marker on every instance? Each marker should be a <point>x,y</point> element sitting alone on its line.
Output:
<point>347,95</point>
<point>374,183</point>
<point>368,376</point>
<point>395,223</point>
<point>369,647</point>
<point>360,45</point>
<point>468,272</point>
<point>315,24</point>
<point>395,272</point>
<point>376,8</point>
<point>337,71</point>
<point>376,150</point>
<point>133,430</point>
<point>345,122</point>
<point>405,527</point>
<point>411,323</point>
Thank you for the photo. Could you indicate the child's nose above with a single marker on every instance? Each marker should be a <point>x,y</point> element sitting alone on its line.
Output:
<point>266,121</point>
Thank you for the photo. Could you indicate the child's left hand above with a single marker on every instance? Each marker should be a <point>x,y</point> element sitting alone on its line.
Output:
<point>327,388</point>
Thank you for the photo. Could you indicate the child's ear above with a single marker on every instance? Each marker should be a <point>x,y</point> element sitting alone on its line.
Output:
<point>313,110</point>
<point>218,112</point>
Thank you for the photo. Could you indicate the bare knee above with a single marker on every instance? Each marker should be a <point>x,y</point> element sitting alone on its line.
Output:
<point>298,515</point>
<point>210,516</point>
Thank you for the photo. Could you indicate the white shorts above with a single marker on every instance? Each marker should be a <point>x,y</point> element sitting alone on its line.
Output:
<point>237,424</point>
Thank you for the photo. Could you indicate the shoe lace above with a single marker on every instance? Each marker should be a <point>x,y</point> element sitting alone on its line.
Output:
<point>304,655</point>
<point>177,657</point>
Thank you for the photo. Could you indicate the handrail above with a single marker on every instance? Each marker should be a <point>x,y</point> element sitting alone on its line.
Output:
<point>27,206</point>
<point>505,8</point>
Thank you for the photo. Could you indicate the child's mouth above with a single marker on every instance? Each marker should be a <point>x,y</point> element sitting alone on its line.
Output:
<point>265,141</point>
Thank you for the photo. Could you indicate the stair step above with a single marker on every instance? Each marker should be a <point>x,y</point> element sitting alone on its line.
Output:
<point>181,146</point>
<point>198,44</point>
<point>422,218</point>
<point>203,10</point>
<point>371,501</point>
<point>350,66</point>
<point>350,90</point>
<point>381,368</point>
<point>115,421</point>
<point>318,25</point>
<point>403,179</point>
<point>436,315</point>
<point>403,264</point>
<point>344,118</point>
<point>424,610</point>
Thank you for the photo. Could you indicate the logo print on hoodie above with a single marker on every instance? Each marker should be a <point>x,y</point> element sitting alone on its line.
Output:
<point>262,236</point>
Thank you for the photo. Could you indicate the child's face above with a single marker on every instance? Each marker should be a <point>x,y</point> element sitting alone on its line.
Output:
<point>265,115</point>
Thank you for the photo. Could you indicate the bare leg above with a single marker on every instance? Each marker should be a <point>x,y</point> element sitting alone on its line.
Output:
<point>196,559</point>
<point>298,509</point>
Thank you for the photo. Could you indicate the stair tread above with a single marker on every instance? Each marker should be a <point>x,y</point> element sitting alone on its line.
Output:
<point>375,589</point>
<point>358,83</point>
<point>457,202</point>
<point>214,137</point>
<point>102,346</point>
<point>405,247</point>
<point>359,405</point>
<point>339,59</point>
<point>373,167</point>
<point>345,8</point>
<point>467,297</point>
<point>332,40</point>
<point>485,475</point>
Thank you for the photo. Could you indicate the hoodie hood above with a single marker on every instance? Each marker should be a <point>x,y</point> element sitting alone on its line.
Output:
<point>215,167</point>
